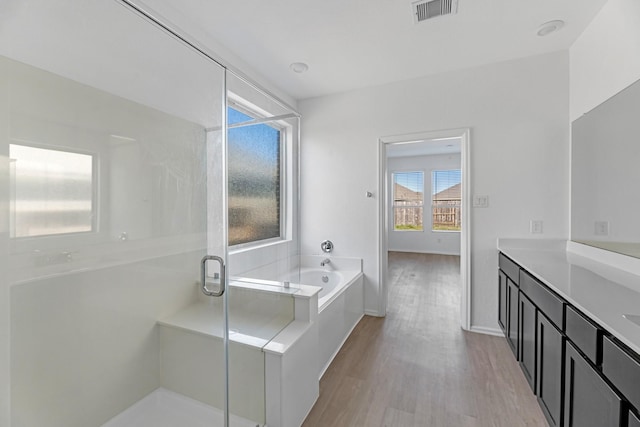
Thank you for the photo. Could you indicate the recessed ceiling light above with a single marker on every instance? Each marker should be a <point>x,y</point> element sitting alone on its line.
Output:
<point>550,27</point>
<point>299,67</point>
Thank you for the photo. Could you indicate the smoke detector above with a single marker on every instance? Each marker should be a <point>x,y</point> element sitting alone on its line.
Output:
<point>428,9</point>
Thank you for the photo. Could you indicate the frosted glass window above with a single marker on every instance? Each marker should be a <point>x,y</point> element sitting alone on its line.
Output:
<point>52,191</point>
<point>408,201</point>
<point>446,200</point>
<point>254,181</point>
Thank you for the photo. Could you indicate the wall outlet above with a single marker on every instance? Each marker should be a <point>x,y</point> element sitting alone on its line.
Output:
<point>536,226</point>
<point>480,201</point>
<point>602,228</point>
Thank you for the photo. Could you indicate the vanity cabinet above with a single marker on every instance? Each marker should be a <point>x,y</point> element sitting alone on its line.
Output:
<point>542,328</point>
<point>581,375</point>
<point>585,334</point>
<point>528,328</point>
<point>512,317</point>
<point>622,367</point>
<point>509,277</point>
<point>549,368</point>
<point>503,301</point>
<point>589,401</point>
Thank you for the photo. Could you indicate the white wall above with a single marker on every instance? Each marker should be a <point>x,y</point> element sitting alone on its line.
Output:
<point>425,241</point>
<point>604,59</point>
<point>518,115</point>
<point>4,252</point>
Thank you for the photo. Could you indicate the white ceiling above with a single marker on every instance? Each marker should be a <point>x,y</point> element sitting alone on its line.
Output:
<point>425,148</point>
<point>350,44</point>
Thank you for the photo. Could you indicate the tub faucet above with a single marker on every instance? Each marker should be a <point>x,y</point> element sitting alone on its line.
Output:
<point>325,262</point>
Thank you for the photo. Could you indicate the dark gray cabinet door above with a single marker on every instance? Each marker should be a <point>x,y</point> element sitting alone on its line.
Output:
<point>549,372</point>
<point>512,317</point>
<point>502,301</point>
<point>589,401</point>
<point>633,421</point>
<point>527,339</point>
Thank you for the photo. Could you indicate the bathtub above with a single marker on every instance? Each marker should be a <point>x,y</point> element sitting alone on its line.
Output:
<point>340,302</point>
<point>340,299</point>
<point>332,283</point>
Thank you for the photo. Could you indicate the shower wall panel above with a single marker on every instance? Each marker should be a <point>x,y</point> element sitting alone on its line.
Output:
<point>84,305</point>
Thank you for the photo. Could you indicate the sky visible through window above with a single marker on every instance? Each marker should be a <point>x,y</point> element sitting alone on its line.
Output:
<point>251,139</point>
<point>444,179</point>
<point>254,180</point>
<point>411,180</point>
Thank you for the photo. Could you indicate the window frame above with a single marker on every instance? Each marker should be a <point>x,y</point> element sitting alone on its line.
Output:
<point>433,172</point>
<point>393,201</point>
<point>95,191</point>
<point>245,107</point>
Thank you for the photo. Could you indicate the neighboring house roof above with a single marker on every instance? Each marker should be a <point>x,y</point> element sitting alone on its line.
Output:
<point>451,193</point>
<point>402,193</point>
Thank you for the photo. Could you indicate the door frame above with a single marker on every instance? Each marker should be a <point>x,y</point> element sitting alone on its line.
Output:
<point>383,214</point>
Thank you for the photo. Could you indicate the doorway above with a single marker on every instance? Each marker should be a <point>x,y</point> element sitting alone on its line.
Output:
<point>420,144</point>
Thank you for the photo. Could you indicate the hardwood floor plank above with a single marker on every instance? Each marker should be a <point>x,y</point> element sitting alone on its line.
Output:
<point>416,367</point>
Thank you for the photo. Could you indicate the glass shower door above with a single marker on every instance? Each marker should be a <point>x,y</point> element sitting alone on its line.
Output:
<point>113,131</point>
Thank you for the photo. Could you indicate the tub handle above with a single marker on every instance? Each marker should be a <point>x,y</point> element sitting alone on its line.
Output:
<point>203,275</point>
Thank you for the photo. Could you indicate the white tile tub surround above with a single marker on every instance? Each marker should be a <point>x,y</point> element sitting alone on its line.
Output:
<point>338,311</point>
<point>601,291</point>
<point>338,315</point>
<point>341,308</point>
<point>292,385</point>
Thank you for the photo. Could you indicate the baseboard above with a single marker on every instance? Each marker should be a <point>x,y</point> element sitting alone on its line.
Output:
<point>486,331</point>
<point>425,252</point>
<point>373,313</point>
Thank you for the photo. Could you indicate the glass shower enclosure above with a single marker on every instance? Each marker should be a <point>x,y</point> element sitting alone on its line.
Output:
<point>114,224</point>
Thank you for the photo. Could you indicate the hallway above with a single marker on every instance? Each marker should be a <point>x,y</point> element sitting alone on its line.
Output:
<point>416,367</point>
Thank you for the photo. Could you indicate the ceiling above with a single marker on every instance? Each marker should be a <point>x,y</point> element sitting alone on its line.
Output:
<point>350,44</point>
<point>427,147</point>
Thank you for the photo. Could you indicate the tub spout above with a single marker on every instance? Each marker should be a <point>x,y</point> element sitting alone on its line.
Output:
<point>325,262</point>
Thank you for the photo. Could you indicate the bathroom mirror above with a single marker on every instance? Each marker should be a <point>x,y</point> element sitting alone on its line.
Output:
<point>605,172</point>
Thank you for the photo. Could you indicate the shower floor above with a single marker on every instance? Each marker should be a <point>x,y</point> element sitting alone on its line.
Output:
<point>164,408</point>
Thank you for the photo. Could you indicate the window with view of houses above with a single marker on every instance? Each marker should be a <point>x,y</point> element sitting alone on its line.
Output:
<point>408,201</point>
<point>446,200</point>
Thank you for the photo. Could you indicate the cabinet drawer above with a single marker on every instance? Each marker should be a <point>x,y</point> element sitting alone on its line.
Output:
<point>585,334</point>
<point>622,369</point>
<point>510,268</point>
<point>549,303</point>
<point>634,421</point>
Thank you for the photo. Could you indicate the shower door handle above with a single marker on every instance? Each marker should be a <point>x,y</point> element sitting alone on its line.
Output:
<point>203,275</point>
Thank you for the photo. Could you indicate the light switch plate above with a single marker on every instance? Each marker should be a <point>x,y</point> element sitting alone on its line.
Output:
<point>480,201</point>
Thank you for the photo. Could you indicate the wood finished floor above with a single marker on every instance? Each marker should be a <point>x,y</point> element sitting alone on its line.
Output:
<point>416,367</point>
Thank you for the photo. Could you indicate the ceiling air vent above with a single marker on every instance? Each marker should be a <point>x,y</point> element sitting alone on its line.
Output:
<point>423,10</point>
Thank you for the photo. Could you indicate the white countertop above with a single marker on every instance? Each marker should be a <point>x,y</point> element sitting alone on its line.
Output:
<point>602,292</point>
